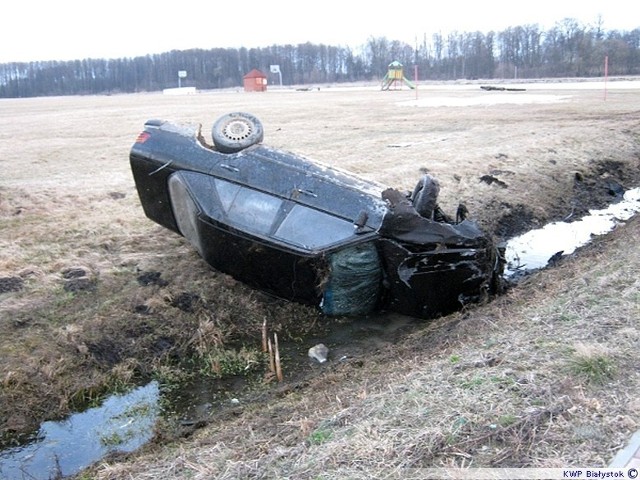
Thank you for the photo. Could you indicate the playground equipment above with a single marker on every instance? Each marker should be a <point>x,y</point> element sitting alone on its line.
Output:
<point>395,77</point>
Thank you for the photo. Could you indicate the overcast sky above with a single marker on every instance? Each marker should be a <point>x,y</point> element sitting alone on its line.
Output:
<point>75,29</point>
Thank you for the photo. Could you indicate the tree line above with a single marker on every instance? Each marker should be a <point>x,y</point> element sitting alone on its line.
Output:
<point>569,49</point>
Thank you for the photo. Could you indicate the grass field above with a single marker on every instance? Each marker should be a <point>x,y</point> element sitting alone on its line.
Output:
<point>543,376</point>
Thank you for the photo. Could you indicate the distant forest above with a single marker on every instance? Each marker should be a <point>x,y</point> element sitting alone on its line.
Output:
<point>569,49</point>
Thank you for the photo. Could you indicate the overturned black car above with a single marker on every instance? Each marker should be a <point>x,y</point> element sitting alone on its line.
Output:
<point>307,232</point>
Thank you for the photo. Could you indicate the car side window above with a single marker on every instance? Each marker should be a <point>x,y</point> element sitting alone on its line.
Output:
<point>256,211</point>
<point>312,229</point>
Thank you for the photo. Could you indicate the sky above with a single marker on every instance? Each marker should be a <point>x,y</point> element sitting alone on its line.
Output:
<point>32,30</point>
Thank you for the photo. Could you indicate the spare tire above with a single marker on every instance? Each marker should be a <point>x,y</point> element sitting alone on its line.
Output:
<point>236,131</point>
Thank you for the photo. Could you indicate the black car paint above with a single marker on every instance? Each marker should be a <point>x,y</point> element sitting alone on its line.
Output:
<point>360,230</point>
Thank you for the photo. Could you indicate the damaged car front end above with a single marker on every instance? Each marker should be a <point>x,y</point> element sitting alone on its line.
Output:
<point>307,232</point>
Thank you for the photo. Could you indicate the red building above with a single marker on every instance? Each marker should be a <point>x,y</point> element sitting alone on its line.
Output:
<point>255,81</point>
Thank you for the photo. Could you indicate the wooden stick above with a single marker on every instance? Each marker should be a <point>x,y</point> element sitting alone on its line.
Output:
<point>278,367</point>
<point>264,336</point>
<point>271,360</point>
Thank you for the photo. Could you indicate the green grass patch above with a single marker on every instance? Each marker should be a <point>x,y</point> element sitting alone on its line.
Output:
<point>320,436</point>
<point>592,363</point>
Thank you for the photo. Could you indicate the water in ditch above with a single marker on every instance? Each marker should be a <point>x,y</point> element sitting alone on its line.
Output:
<point>536,248</point>
<point>125,422</point>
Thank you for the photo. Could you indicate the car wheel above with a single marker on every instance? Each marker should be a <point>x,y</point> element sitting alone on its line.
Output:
<point>236,131</point>
<point>425,196</point>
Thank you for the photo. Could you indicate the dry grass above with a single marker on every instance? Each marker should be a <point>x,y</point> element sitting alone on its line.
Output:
<point>538,377</point>
<point>492,388</point>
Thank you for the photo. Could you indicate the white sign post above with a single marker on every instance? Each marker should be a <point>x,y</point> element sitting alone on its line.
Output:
<point>181,74</point>
<point>276,69</point>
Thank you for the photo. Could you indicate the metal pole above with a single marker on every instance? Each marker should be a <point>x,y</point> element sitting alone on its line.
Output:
<point>606,75</point>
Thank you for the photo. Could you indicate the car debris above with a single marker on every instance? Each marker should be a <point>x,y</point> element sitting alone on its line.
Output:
<point>319,353</point>
<point>307,232</point>
<point>491,88</point>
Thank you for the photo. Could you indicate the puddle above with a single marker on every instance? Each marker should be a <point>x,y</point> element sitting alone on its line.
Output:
<point>123,423</point>
<point>534,249</point>
<point>197,400</point>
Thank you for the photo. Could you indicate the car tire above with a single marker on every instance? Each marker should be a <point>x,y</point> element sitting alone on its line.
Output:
<point>425,196</point>
<point>236,131</point>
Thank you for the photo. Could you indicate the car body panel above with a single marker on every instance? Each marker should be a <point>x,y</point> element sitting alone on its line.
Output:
<point>307,232</point>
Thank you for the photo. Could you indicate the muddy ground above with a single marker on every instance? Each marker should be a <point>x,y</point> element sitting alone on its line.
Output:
<point>94,297</point>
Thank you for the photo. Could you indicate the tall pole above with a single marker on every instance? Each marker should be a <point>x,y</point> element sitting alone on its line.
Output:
<point>606,75</point>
